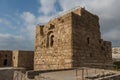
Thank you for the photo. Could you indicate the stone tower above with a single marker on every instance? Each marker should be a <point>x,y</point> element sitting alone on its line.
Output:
<point>71,40</point>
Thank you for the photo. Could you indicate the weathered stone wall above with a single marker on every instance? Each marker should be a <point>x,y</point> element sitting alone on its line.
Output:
<point>88,47</point>
<point>53,44</point>
<point>17,59</point>
<point>72,40</point>
<point>23,59</point>
<point>5,58</point>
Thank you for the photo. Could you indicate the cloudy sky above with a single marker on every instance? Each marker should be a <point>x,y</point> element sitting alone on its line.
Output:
<point>18,19</point>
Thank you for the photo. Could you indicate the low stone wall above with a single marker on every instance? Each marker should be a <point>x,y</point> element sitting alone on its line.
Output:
<point>64,74</point>
<point>8,73</point>
<point>82,73</point>
<point>32,74</point>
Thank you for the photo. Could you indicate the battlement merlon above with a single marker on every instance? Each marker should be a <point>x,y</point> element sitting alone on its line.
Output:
<point>108,44</point>
<point>78,11</point>
<point>39,29</point>
<point>82,11</point>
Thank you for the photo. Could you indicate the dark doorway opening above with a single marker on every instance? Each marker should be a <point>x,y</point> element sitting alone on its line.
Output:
<point>5,62</point>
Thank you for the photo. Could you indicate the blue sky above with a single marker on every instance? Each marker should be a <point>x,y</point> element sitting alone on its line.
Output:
<point>10,6</point>
<point>18,19</point>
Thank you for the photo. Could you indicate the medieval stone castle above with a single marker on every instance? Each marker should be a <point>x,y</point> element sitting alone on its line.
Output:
<point>68,41</point>
<point>71,40</point>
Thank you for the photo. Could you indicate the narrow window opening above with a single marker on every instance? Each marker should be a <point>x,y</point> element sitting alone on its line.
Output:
<point>102,48</point>
<point>88,40</point>
<point>41,30</point>
<point>91,55</point>
<point>100,41</point>
<point>5,62</point>
<point>52,41</point>
<point>47,42</point>
<point>6,55</point>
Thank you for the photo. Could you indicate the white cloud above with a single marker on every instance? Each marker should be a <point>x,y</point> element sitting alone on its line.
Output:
<point>29,17</point>
<point>99,4</point>
<point>69,4</point>
<point>27,27</point>
<point>29,24</point>
<point>7,36</point>
<point>43,19</point>
<point>0,20</point>
<point>103,8</point>
<point>4,21</point>
<point>107,10</point>
<point>11,42</point>
<point>47,7</point>
<point>8,23</point>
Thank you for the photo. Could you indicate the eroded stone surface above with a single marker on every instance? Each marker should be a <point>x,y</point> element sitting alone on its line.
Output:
<point>17,58</point>
<point>71,40</point>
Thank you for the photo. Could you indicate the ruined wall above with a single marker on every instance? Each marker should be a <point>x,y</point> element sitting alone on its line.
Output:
<point>17,58</point>
<point>71,40</point>
<point>88,47</point>
<point>5,58</point>
<point>23,59</point>
<point>53,44</point>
